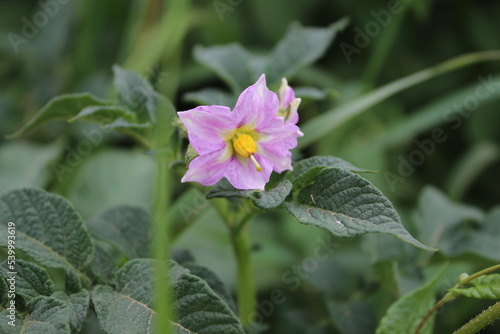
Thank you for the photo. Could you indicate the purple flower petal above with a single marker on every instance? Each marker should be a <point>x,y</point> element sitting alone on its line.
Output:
<point>256,105</point>
<point>286,94</point>
<point>206,127</point>
<point>242,174</point>
<point>209,168</point>
<point>278,153</point>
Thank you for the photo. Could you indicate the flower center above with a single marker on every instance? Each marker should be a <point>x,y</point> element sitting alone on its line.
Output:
<point>245,146</point>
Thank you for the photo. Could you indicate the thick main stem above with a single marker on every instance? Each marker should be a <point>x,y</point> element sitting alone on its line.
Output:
<point>481,321</point>
<point>161,223</point>
<point>246,284</point>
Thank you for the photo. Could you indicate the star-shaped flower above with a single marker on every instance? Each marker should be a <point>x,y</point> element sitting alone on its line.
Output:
<point>244,145</point>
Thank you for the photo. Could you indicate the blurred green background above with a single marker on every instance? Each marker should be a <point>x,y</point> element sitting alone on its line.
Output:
<point>53,47</point>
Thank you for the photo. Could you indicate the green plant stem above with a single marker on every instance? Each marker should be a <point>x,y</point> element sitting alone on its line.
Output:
<point>453,295</point>
<point>246,284</point>
<point>323,124</point>
<point>236,224</point>
<point>161,218</point>
<point>481,321</point>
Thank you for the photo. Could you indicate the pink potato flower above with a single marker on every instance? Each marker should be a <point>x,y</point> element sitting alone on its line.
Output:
<point>244,145</point>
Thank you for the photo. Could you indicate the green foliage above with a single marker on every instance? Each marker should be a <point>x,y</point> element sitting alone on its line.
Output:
<point>372,112</point>
<point>482,287</point>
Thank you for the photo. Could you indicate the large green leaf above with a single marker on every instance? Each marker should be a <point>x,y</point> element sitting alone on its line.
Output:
<point>199,309</point>
<point>406,313</point>
<point>483,287</point>
<point>78,305</point>
<point>267,199</point>
<point>300,47</point>
<point>61,108</point>
<point>31,280</point>
<point>347,205</point>
<point>125,227</point>
<point>47,228</point>
<point>24,164</point>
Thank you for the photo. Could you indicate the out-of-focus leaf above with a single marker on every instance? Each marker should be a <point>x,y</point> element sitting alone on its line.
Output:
<point>24,164</point>
<point>125,227</point>
<point>99,182</point>
<point>60,108</point>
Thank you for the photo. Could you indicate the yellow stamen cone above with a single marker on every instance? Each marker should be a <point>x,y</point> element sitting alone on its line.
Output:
<point>245,146</point>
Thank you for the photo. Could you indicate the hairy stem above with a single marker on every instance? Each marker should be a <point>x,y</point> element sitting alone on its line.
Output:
<point>481,321</point>
<point>453,295</point>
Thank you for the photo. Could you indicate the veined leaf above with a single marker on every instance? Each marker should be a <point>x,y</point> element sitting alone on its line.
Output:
<point>483,287</point>
<point>78,305</point>
<point>347,205</point>
<point>31,279</point>
<point>47,228</point>
<point>199,309</point>
<point>47,315</point>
